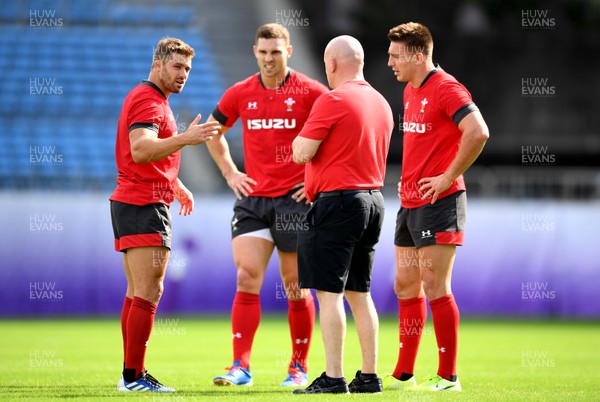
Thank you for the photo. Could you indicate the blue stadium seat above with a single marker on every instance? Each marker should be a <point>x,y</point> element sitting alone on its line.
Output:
<point>96,66</point>
<point>8,11</point>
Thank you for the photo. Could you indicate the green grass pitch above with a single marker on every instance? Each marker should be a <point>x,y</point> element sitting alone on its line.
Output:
<point>47,360</point>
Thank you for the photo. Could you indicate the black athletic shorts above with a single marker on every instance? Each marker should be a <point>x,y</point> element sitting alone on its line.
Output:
<point>440,223</point>
<point>336,252</point>
<point>282,217</point>
<point>140,226</point>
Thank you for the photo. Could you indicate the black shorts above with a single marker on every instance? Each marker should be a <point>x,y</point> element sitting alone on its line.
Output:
<point>440,223</point>
<point>282,217</point>
<point>336,252</point>
<point>140,226</point>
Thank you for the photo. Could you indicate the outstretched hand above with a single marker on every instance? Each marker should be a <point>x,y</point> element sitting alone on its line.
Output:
<point>201,133</point>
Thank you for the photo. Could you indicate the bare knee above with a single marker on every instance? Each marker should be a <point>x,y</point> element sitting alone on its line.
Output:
<point>407,288</point>
<point>292,287</point>
<point>435,288</point>
<point>248,279</point>
<point>151,291</point>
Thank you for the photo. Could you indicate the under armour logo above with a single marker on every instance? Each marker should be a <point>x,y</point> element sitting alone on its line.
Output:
<point>425,233</point>
<point>442,349</point>
<point>299,341</point>
<point>236,335</point>
<point>401,345</point>
<point>252,105</point>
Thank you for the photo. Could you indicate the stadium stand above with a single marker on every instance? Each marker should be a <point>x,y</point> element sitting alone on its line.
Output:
<point>71,65</point>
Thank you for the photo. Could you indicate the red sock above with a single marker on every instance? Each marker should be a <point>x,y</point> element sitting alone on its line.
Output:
<point>139,327</point>
<point>301,317</point>
<point>412,314</point>
<point>445,323</point>
<point>124,314</point>
<point>245,317</point>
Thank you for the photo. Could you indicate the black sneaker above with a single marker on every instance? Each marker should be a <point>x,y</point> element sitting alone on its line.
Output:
<point>370,384</point>
<point>325,385</point>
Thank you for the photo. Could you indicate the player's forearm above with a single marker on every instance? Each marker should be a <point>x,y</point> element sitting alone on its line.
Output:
<point>219,150</point>
<point>472,143</point>
<point>304,149</point>
<point>178,185</point>
<point>154,149</point>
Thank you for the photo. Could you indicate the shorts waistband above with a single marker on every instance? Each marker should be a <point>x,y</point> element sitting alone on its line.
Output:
<point>338,193</point>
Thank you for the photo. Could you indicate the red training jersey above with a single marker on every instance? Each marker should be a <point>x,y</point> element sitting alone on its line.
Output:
<point>145,183</point>
<point>272,118</point>
<point>432,113</point>
<point>354,123</point>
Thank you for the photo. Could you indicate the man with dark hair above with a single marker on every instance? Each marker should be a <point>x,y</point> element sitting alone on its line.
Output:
<point>444,133</point>
<point>147,156</point>
<point>273,106</point>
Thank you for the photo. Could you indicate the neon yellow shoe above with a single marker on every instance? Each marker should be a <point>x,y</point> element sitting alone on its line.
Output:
<point>437,383</point>
<point>391,382</point>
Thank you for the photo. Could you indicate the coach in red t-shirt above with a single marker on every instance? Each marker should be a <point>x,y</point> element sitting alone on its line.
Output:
<point>344,144</point>
<point>269,212</point>
<point>147,155</point>
<point>443,135</point>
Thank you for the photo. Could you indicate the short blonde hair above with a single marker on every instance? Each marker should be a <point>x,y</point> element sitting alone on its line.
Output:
<point>167,46</point>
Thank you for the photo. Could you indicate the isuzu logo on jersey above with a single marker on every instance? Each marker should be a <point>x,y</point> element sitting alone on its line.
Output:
<point>412,127</point>
<point>257,124</point>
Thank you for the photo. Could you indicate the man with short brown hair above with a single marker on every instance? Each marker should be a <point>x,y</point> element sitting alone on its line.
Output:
<point>147,156</point>
<point>270,207</point>
<point>444,134</point>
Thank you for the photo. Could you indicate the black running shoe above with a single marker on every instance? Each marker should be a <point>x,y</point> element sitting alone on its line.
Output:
<point>325,385</point>
<point>369,384</point>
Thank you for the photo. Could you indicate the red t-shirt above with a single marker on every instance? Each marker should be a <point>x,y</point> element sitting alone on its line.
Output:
<point>145,183</point>
<point>431,135</point>
<point>272,118</point>
<point>355,124</point>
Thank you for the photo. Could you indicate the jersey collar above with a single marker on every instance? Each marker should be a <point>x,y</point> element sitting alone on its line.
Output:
<point>153,85</point>
<point>435,70</point>
<point>287,77</point>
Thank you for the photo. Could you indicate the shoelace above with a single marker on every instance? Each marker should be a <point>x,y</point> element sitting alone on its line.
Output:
<point>296,375</point>
<point>151,380</point>
<point>316,383</point>
<point>229,368</point>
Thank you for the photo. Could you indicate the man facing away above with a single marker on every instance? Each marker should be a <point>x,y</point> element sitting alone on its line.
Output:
<point>344,144</point>
<point>273,106</point>
<point>147,156</point>
<point>444,133</point>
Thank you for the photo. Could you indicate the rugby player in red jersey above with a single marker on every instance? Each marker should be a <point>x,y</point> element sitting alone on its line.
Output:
<point>147,156</point>
<point>444,133</point>
<point>273,106</point>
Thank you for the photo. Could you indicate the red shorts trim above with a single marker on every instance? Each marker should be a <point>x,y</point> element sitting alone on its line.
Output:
<point>139,240</point>
<point>455,238</point>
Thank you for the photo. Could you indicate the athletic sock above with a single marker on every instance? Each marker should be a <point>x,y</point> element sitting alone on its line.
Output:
<point>406,376</point>
<point>445,323</point>
<point>139,326</point>
<point>124,314</point>
<point>301,317</point>
<point>412,314</point>
<point>245,317</point>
